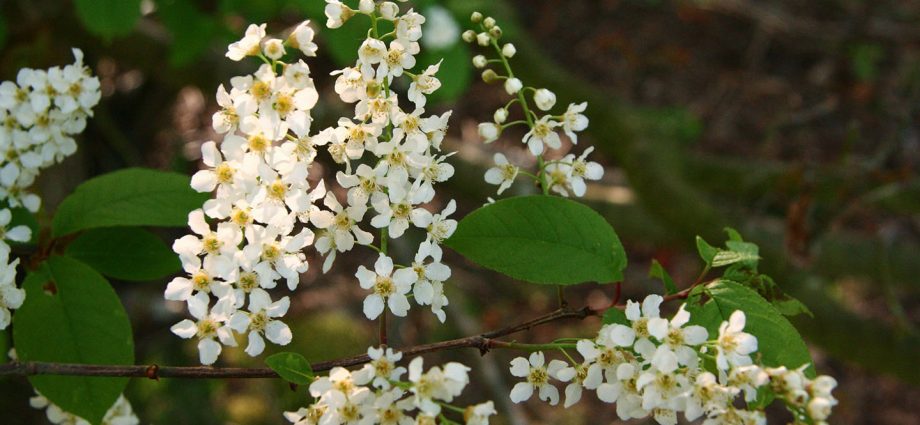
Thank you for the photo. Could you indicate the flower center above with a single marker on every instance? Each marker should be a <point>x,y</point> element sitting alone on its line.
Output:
<point>224,172</point>
<point>537,376</point>
<point>384,286</point>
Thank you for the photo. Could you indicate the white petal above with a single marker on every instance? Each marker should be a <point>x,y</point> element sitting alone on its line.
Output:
<point>208,350</point>
<point>521,392</point>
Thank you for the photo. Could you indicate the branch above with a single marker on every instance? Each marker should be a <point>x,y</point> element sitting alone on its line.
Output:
<point>484,342</point>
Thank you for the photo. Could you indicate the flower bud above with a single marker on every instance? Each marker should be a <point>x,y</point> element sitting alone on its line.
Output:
<point>496,32</point>
<point>489,131</point>
<point>479,61</point>
<point>468,36</point>
<point>483,39</point>
<point>476,17</point>
<point>513,85</point>
<point>501,115</point>
<point>488,22</point>
<point>508,50</point>
<point>544,99</point>
<point>389,10</point>
<point>366,6</point>
<point>489,76</point>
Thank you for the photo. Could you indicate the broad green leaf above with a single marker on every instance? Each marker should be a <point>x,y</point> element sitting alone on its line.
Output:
<point>615,315</point>
<point>658,271</point>
<point>707,251</point>
<point>541,239</point>
<point>127,253</point>
<point>108,18</point>
<point>130,197</point>
<point>292,367</point>
<point>455,72</point>
<point>778,342</point>
<point>72,315</point>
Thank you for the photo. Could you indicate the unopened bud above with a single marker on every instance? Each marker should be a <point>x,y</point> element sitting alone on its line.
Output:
<point>366,6</point>
<point>488,22</point>
<point>513,85</point>
<point>468,36</point>
<point>489,76</point>
<point>496,32</point>
<point>479,61</point>
<point>501,115</point>
<point>483,39</point>
<point>508,50</point>
<point>476,17</point>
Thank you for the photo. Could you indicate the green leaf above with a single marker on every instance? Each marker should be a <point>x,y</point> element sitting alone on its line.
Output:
<point>130,197</point>
<point>541,239</point>
<point>789,306</point>
<point>109,18</point>
<point>778,342</point>
<point>615,315</point>
<point>127,253</point>
<point>72,315</point>
<point>707,251</point>
<point>292,367</point>
<point>725,258</point>
<point>192,31</point>
<point>658,271</point>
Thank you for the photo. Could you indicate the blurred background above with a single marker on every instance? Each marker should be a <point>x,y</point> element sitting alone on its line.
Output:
<point>796,122</point>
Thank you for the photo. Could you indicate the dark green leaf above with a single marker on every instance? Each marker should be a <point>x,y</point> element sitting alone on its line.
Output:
<point>108,18</point>
<point>541,239</point>
<point>192,31</point>
<point>130,197</point>
<point>127,253</point>
<point>778,342</point>
<point>615,315</point>
<point>658,271</point>
<point>72,315</point>
<point>292,367</point>
<point>789,306</point>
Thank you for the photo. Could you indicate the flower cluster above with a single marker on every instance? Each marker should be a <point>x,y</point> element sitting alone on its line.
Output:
<point>11,296</point>
<point>378,394</point>
<point>400,157</point>
<point>39,115</point>
<point>565,175</point>
<point>653,366</point>
<point>253,232</point>
<point>120,413</point>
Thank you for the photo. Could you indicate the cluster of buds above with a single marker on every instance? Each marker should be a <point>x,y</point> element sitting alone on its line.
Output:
<point>561,174</point>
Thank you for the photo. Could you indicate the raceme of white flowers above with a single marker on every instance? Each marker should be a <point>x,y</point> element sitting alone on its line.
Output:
<point>39,115</point>
<point>379,393</point>
<point>265,212</point>
<point>565,176</point>
<point>654,367</point>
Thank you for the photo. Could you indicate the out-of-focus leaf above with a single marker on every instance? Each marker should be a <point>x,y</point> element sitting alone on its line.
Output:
<point>192,31</point>
<point>658,271</point>
<point>292,367</point>
<point>109,18</point>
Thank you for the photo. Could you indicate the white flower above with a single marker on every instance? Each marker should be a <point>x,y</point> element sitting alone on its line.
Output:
<point>500,115</point>
<point>259,321</point>
<point>645,323</point>
<point>248,45</point>
<point>337,13</point>
<point>382,368</point>
<point>409,26</point>
<point>574,121</point>
<point>544,99</point>
<point>587,375</point>
<point>680,339</point>
<point>503,174</point>
<point>480,61</point>
<point>20,233</point>
<point>438,226</point>
<point>389,288</point>
<point>424,84</point>
<point>537,375</point>
<point>480,413</point>
<point>302,38</point>
<point>210,324</point>
<point>436,385</point>
<point>582,170</point>
<point>489,131</point>
<point>395,213</point>
<point>734,346</point>
<point>513,85</point>
<point>273,48</point>
<point>542,133</point>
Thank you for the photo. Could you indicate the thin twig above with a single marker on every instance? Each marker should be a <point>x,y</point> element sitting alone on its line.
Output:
<point>484,343</point>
